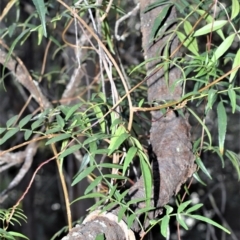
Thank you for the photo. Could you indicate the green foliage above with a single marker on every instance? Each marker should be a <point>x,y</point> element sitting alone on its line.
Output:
<point>16,218</point>
<point>96,128</point>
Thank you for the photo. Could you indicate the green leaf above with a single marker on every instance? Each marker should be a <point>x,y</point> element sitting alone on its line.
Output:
<point>233,99</point>
<point>2,130</point>
<point>235,9</point>
<point>8,135</point>
<point>37,123</point>
<point>181,221</point>
<point>59,137</point>
<point>16,234</point>
<point>99,115</point>
<point>210,19</point>
<point>236,64</point>
<point>212,96</point>
<point>164,225</point>
<point>93,184</point>
<point>194,208</point>
<point>147,177</point>
<point>121,212</point>
<point>11,121</point>
<point>130,220</point>
<point>83,174</point>
<point>27,134</point>
<point>90,195</point>
<point>211,27</point>
<point>60,121</point>
<point>222,125</point>
<point>119,137</point>
<point>25,120</point>
<point>53,130</point>
<point>70,150</point>
<point>183,205</point>
<point>207,220</point>
<point>196,176</point>
<point>159,21</point>
<point>100,236</point>
<point>72,110</point>
<point>129,157</point>
<point>188,42</point>
<point>110,165</point>
<point>203,125</point>
<point>155,4</point>
<point>223,47</point>
<point>41,10</point>
<point>202,166</point>
<point>6,234</point>
<point>169,209</point>
<point>235,160</point>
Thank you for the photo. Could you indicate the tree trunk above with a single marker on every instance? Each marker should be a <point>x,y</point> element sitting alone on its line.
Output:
<point>171,149</point>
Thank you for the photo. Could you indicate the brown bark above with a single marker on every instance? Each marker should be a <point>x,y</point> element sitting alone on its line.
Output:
<point>173,160</point>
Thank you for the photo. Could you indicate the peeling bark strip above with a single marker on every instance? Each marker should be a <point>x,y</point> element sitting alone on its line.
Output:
<point>170,138</point>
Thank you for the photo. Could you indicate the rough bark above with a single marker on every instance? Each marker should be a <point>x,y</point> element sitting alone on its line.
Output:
<point>173,160</point>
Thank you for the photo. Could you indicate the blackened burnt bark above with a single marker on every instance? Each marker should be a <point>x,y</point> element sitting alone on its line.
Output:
<point>171,147</point>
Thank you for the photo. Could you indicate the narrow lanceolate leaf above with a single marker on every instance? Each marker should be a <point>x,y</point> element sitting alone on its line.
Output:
<point>235,66</point>
<point>181,221</point>
<point>194,208</point>
<point>119,137</point>
<point>210,27</point>
<point>8,134</point>
<point>189,43</point>
<point>25,120</point>
<point>83,174</point>
<point>93,184</point>
<point>233,99</point>
<point>164,225</point>
<point>202,166</point>
<point>208,220</point>
<point>2,130</point>
<point>19,235</point>
<point>11,121</point>
<point>183,205</point>
<point>99,115</point>
<point>129,158</point>
<point>70,150</point>
<point>235,9</point>
<point>41,10</point>
<point>159,21</point>
<point>60,137</point>
<point>147,177</point>
<point>27,134</point>
<point>223,47</point>
<point>222,125</point>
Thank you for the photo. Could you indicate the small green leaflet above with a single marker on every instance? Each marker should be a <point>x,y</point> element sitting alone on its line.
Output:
<point>70,150</point>
<point>183,205</point>
<point>11,121</point>
<point>207,220</point>
<point>164,225</point>
<point>222,126</point>
<point>59,137</point>
<point>210,27</point>
<point>235,66</point>
<point>223,47</point>
<point>8,135</point>
<point>83,174</point>
<point>202,166</point>
<point>129,157</point>
<point>41,10</point>
<point>25,120</point>
<point>119,137</point>
<point>235,9</point>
